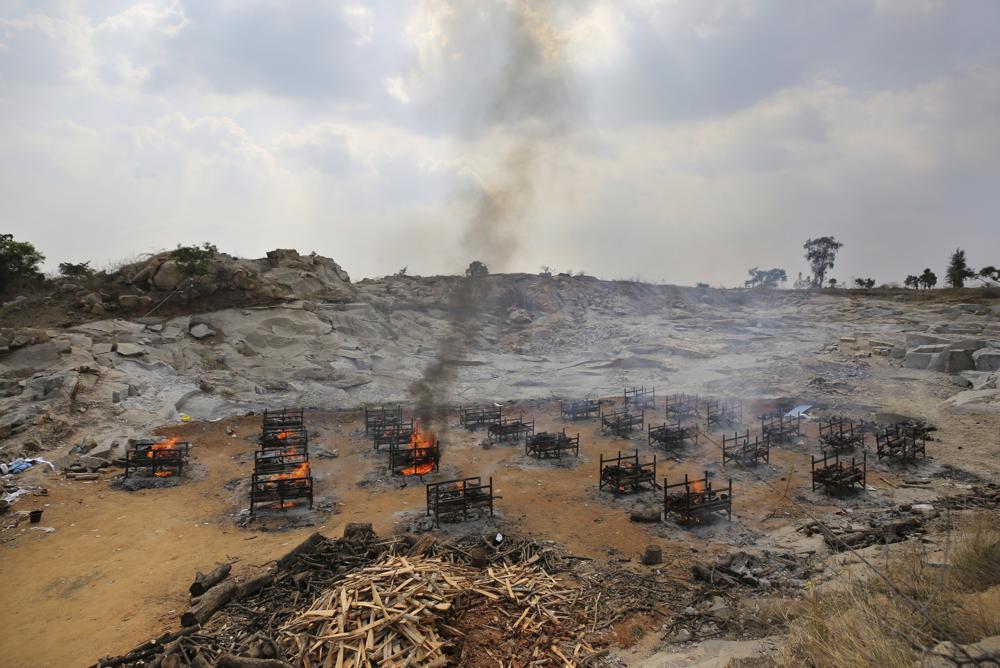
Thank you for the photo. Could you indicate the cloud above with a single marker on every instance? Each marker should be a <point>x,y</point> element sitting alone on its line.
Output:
<point>674,139</point>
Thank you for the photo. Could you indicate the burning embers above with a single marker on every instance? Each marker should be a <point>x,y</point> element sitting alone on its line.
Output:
<point>692,500</point>
<point>625,473</point>
<point>162,459</point>
<point>621,422</point>
<point>579,409</point>
<point>413,450</point>
<point>418,456</point>
<point>740,449</point>
<point>453,499</point>
<point>281,466</point>
<point>552,445</point>
<point>839,477</point>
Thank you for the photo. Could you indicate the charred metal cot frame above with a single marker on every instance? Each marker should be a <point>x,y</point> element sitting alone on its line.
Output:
<point>404,460</point>
<point>779,427</point>
<point>838,434</point>
<point>392,435</point>
<point>692,500</point>
<point>267,463</point>
<point>739,448</point>
<point>552,445</point>
<point>451,499</point>
<point>640,398</point>
<point>281,472</point>
<point>280,489</point>
<point>473,417</point>
<point>579,409</point>
<point>511,429</point>
<point>379,417</point>
<point>682,407</point>
<point>836,476</point>
<point>286,417</point>
<point>719,412</point>
<point>280,438</point>
<point>899,444</point>
<point>625,473</point>
<point>671,436</point>
<point>621,422</point>
<point>156,461</point>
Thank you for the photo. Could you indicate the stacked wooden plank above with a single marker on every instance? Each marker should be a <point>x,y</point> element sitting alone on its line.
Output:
<point>399,612</point>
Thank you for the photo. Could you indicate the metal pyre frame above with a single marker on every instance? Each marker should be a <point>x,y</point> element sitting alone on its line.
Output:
<point>779,427</point>
<point>278,461</point>
<point>160,462</point>
<point>834,475</point>
<point>286,417</point>
<point>392,435</point>
<point>379,417</point>
<point>452,498</point>
<point>552,445</point>
<point>473,417</point>
<point>899,444</point>
<point>640,397</point>
<point>621,422</point>
<point>404,460</point>
<point>682,407</point>
<point>281,487</point>
<point>691,500</point>
<point>838,434</point>
<point>719,412</point>
<point>284,438</point>
<point>670,436</point>
<point>625,473</point>
<point>579,409</point>
<point>511,429</point>
<point>739,448</point>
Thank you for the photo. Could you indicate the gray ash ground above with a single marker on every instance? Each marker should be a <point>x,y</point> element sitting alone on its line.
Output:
<point>142,480</point>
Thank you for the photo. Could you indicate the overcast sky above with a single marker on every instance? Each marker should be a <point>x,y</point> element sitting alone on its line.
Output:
<point>677,140</point>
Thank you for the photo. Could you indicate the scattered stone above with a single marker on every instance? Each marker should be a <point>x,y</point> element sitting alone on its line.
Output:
<point>129,349</point>
<point>201,331</point>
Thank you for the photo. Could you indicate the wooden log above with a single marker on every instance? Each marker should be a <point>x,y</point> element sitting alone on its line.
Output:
<point>231,661</point>
<point>205,581</point>
<point>83,476</point>
<point>210,603</point>
<point>254,585</point>
<point>653,555</point>
<point>304,547</point>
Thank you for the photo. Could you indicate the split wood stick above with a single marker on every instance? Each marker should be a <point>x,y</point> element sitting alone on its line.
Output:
<point>205,581</point>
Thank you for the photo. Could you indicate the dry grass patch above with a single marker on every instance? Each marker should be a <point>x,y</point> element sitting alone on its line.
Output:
<point>869,624</point>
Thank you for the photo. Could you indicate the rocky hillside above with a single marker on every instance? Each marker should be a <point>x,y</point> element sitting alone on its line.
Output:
<point>302,334</point>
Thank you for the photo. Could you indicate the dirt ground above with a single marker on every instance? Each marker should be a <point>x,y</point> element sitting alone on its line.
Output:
<point>115,570</point>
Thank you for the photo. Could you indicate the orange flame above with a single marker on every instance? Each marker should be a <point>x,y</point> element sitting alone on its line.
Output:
<point>697,486</point>
<point>421,439</point>
<point>301,471</point>
<point>281,435</point>
<point>279,506</point>
<point>162,445</point>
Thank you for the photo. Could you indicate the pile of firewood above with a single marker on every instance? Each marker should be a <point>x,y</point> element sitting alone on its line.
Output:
<point>400,612</point>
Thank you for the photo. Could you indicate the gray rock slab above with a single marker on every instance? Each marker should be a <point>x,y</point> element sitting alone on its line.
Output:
<point>987,359</point>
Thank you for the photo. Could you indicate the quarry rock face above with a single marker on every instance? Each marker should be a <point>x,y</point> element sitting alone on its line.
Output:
<point>987,359</point>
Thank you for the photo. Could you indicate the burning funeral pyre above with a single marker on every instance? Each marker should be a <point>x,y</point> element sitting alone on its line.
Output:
<point>281,466</point>
<point>160,459</point>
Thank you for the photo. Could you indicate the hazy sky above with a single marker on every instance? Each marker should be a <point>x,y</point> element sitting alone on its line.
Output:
<point>678,140</point>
